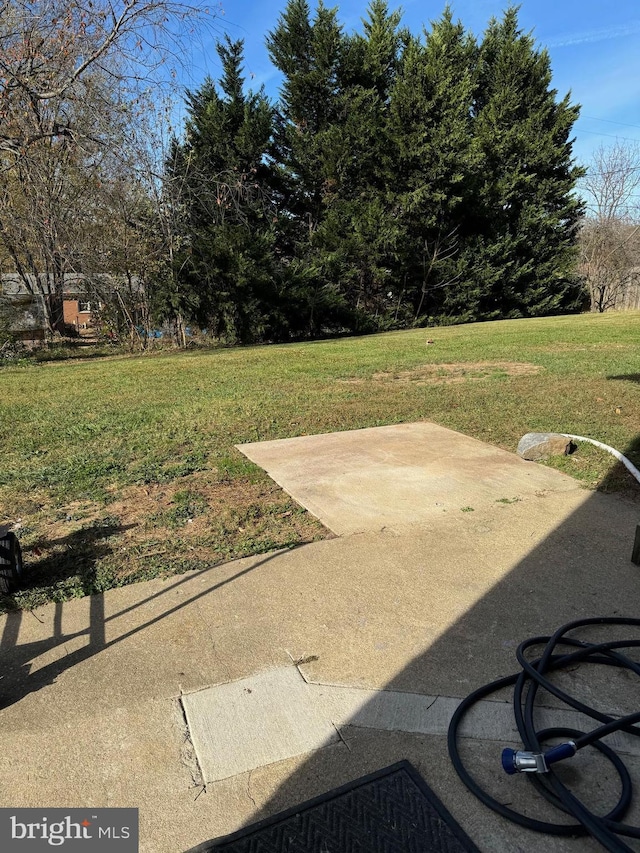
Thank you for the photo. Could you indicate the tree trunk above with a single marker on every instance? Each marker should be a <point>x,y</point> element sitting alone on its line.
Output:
<point>55,311</point>
<point>181,335</point>
<point>56,297</point>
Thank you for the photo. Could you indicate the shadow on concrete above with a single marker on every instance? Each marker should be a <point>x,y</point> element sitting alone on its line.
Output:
<point>74,556</point>
<point>17,679</point>
<point>582,569</point>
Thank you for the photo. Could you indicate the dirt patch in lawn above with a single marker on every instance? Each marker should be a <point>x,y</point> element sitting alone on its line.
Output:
<point>567,346</point>
<point>198,507</point>
<point>463,371</point>
<point>156,530</point>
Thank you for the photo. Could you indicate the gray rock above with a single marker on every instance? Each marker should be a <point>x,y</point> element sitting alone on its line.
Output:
<point>536,446</point>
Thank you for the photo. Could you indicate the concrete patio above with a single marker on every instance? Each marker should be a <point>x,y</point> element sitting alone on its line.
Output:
<point>211,700</point>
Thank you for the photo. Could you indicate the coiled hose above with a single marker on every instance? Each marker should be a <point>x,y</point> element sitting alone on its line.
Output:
<point>534,674</point>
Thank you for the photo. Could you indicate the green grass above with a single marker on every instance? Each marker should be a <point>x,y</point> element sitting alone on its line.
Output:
<point>186,504</point>
<point>123,468</point>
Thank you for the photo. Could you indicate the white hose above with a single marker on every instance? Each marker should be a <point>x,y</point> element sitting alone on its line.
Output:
<point>631,468</point>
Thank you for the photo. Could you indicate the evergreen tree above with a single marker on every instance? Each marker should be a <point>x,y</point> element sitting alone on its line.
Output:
<point>359,234</point>
<point>431,105</point>
<point>309,53</point>
<point>228,265</point>
<point>525,213</point>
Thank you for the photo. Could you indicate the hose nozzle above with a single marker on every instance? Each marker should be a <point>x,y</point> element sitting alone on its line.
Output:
<point>518,761</point>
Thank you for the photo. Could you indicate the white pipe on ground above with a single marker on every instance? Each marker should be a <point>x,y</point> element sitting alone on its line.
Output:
<point>631,468</point>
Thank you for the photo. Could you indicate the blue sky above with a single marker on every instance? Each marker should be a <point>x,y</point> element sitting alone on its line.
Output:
<point>594,47</point>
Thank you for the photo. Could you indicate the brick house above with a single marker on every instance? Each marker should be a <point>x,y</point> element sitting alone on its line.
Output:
<point>79,311</point>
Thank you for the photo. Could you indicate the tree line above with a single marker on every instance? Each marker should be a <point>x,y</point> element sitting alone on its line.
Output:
<point>399,179</point>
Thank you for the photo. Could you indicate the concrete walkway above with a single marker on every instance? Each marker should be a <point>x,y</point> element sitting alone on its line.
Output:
<point>211,700</point>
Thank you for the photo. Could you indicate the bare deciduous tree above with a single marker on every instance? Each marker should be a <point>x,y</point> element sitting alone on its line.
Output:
<point>72,80</point>
<point>610,235</point>
<point>49,49</point>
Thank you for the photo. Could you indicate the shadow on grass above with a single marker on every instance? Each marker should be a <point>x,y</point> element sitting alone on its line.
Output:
<point>618,479</point>
<point>580,569</point>
<point>73,561</point>
<point>628,377</point>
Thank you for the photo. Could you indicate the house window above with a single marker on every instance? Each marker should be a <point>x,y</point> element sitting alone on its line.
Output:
<point>84,307</point>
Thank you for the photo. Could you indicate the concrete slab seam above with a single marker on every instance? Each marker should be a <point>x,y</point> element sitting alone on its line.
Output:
<point>277,714</point>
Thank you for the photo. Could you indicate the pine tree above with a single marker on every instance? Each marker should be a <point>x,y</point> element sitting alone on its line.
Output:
<point>359,233</point>
<point>525,212</point>
<point>431,104</point>
<point>227,266</point>
<point>309,53</point>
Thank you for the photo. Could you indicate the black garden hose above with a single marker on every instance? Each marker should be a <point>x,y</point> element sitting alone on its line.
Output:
<point>606,829</point>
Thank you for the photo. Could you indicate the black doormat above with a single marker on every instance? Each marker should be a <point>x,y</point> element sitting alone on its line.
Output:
<point>390,810</point>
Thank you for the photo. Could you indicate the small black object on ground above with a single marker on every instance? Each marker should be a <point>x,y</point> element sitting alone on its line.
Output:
<point>10,563</point>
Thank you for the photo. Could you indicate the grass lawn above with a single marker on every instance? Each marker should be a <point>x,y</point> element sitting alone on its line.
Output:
<point>117,470</point>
